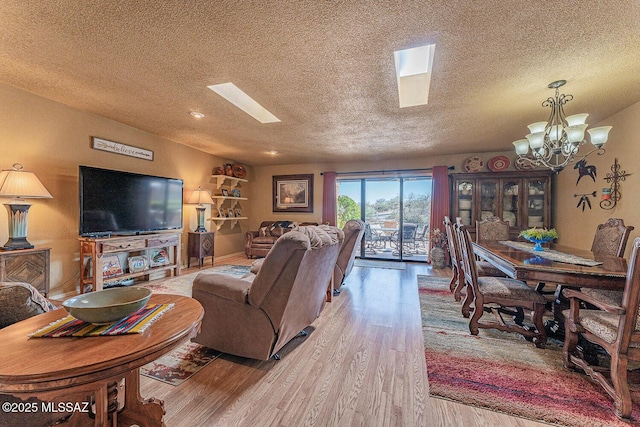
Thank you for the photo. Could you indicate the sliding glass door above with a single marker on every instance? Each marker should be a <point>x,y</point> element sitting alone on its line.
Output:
<point>396,214</point>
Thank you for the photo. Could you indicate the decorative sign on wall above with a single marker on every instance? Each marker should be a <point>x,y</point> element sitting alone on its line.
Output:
<point>118,148</point>
<point>585,170</point>
<point>611,195</point>
<point>584,200</point>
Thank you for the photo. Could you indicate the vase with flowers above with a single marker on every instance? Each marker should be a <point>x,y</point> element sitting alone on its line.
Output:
<point>438,246</point>
<point>539,236</point>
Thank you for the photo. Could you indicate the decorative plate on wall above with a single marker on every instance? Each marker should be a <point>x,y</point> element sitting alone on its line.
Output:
<point>498,163</point>
<point>473,164</point>
<point>238,171</point>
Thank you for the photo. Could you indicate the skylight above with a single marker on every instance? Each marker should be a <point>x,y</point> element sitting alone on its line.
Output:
<point>413,71</point>
<point>234,95</point>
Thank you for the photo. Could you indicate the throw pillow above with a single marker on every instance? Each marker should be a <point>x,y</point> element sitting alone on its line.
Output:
<point>20,301</point>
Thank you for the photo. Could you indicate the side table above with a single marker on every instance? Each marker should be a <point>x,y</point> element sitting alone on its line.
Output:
<point>200,245</point>
<point>27,265</point>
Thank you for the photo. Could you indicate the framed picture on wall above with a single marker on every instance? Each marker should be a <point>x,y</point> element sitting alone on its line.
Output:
<point>293,193</point>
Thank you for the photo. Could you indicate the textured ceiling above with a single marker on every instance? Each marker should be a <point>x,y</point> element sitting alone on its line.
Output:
<point>325,68</point>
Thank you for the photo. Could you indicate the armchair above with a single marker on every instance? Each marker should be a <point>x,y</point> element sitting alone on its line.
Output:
<point>353,231</point>
<point>256,315</point>
<point>613,327</point>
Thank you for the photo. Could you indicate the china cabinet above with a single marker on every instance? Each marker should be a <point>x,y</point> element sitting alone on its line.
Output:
<point>523,198</point>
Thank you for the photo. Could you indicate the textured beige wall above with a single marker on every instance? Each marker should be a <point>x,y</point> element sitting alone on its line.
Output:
<point>576,227</point>
<point>51,140</point>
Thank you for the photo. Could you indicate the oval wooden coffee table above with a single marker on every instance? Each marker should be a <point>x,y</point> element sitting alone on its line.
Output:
<point>71,369</point>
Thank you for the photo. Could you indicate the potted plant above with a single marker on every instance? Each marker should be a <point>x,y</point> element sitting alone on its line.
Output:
<point>539,236</point>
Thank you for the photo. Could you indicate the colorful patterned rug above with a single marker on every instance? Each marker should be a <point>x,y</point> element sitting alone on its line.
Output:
<point>181,285</point>
<point>503,372</point>
<point>179,365</point>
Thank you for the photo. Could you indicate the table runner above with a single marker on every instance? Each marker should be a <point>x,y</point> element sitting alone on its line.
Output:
<point>550,254</point>
<point>135,323</point>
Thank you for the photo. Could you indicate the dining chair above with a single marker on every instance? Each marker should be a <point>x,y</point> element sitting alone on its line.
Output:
<point>492,228</point>
<point>610,239</point>
<point>500,296</point>
<point>484,268</point>
<point>613,327</point>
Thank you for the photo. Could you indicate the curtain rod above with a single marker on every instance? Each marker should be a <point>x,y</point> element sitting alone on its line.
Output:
<point>389,171</point>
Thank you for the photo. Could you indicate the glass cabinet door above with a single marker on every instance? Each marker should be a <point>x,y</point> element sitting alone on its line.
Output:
<point>511,202</point>
<point>465,201</point>
<point>488,199</point>
<point>536,203</point>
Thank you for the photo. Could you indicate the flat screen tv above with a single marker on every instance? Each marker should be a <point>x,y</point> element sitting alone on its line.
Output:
<point>127,203</point>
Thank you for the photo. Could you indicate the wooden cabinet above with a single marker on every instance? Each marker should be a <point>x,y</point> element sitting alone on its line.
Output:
<point>523,198</point>
<point>27,265</point>
<point>105,260</point>
<point>200,245</point>
<point>223,204</point>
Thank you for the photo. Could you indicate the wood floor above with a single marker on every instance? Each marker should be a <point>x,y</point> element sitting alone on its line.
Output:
<point>362,364</point>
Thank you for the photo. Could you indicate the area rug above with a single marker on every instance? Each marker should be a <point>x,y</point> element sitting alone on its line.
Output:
<point>502,372</point>
<point>369,263</point>
<point>182,285</point>
<point>179,365</point>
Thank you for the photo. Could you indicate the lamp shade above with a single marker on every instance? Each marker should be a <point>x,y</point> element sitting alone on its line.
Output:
<point>522,146</point>
<point>200,197</point>
<point>599,135</point>
<point>19,184</point>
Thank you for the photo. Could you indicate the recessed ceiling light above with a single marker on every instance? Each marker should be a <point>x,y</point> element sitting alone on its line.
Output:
<point>197,115</point>
<point>234,95</point>
<point>272,152</point>
<point>413,71</point>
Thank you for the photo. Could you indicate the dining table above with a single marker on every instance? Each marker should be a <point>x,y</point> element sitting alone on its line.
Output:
<point>559,265</point>
<point>579,268</point>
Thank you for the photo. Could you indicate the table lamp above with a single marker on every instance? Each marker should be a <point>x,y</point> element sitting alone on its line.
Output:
<point>200,197</point>
<point>20,185</point>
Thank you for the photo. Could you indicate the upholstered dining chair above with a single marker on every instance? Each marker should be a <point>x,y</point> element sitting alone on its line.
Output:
<point>610,239</point>
<point>492,228</point>
<point>500,296</point>
<point>614,327</point>
<point>457,281</point>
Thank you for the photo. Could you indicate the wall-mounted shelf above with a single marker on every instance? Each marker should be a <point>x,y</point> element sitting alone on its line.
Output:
<point>219,180</point>
<point>218,222</point>
<point>219,200</point>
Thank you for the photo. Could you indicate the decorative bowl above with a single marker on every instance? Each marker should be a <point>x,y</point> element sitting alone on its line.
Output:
<point>538,242</point>
<point>538,236</point>
<point>108,305</point>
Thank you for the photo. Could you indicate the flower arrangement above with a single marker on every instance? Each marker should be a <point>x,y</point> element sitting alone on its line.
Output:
<point>539,234</point>
<point>438,239</point>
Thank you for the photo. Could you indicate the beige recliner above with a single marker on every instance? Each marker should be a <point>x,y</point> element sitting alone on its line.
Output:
<point>256,315</point>
<point>353,232</point>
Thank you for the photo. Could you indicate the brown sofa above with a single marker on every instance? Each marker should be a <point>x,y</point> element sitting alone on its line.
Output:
<point>256,315</point>
<point>353,231</point>
<point>259,243</point>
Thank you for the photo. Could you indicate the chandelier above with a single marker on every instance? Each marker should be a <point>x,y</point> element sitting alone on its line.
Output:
<point>554,144</point>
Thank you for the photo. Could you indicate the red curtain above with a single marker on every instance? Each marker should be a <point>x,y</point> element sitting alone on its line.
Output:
<point>329,199</point>
<point>439,198</point>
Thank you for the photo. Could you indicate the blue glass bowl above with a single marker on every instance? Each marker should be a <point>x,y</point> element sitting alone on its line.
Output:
<point>538,242</point>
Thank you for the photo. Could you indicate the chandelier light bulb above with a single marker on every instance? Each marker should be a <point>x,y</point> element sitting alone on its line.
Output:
<point>522,146</point>
<point>537,127</point>
<point>575,133</point>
